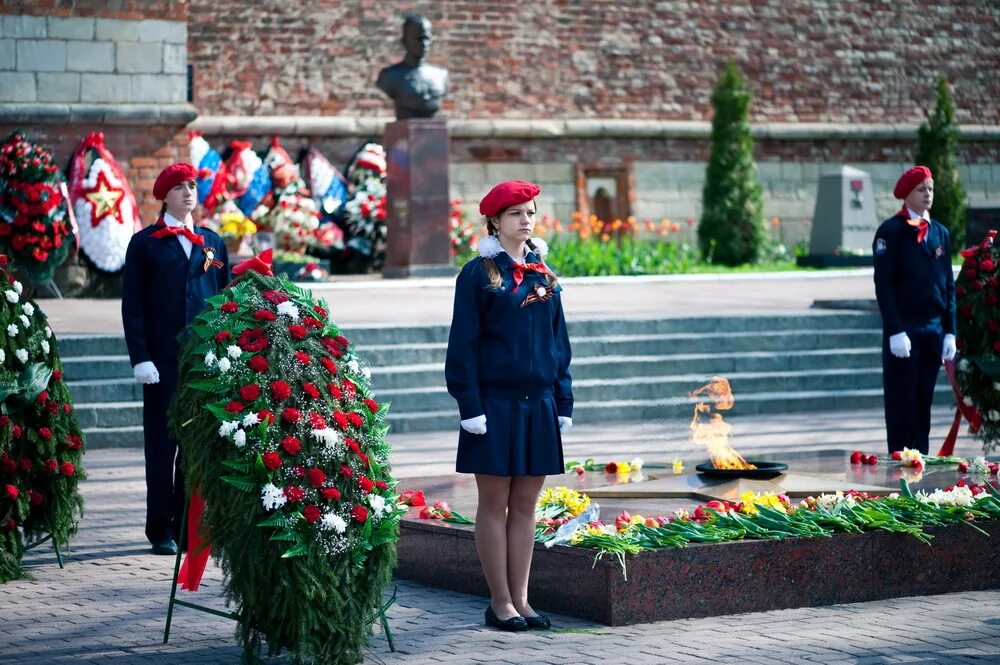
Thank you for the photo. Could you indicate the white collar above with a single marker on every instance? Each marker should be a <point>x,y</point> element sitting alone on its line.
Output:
<point>913,215</point>
<point>170,220</point>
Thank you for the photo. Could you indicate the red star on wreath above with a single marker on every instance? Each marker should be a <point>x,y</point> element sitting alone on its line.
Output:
<point>105,199</point>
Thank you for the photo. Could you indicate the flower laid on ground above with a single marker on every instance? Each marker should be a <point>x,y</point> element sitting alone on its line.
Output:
<point>858,457</point>
<point>442,511</point>
<point>412,498</point>
<point>912,458</point>
<point>612,467</point>
<point>981,467</point>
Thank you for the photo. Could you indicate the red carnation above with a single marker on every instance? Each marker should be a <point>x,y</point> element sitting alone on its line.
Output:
<point>330,366</point>
<point>987,265</point>
<point>996,346</point>
<point>381,484</point>
<point>355,419</point>
<point>366,484</point>
<point>310,513</point>
<point>258,364</point>
<point>9,525</point>
<point>316,421</point>
<point>11,492</point>
<point>340,339</point>
<point>349,388</point>
<point>332,347</point>
<point>310,322</point>
<point>229,307</point>
<point>73,442</point>
<point>52,407</point>
<point>250,392</point>
<point>977,285</point>
<point>311,390</point>
<point>43,397</point>
<point>4,421</point>
<point>359,514</point>
<point>35,498</point>
<point>371,404</point>
<point>235,407</point>
<point>340,418</point>
<point>277,297</point>
<point>67,408</point>
<point>302,357</point>
<point>345,471</point>
<point>991,299</point>
<point>67,469</point>
<point>316,477</point>
<point>334,390</point>
<point>297,332</point>
<point>253,340</point>
<point>45,433</point>
<point>294,493</point>
<point>291,445</point>
<point>291,414</point>
<point>265,416</point>
<point>993,324</point>
<point>57,375</point>
<point>970,273</point>
<point>319,310</point>
<point>331,493</point>
<point>51,465</point>
<point>264,315</point>
<point>993,282</point>
<point>352,445</point>
<point>280,390</point>
<point>966,310</point>
<point>271,460</point>
<point>959,291</point>
<point>299,471</point>
<point>16,431</point>
<point>223,336</point>
<point>364,459</point>
<point>7,464</point>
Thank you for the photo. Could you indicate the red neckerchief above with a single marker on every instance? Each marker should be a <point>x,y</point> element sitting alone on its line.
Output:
<point>918,223</point>
<point>520,268</point>
<point>182,230</point>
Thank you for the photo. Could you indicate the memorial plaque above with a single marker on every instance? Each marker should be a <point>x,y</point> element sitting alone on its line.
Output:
<point>844,221</point>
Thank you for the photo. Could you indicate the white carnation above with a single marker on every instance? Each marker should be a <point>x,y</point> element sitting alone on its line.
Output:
<point>210,358</point>
<point>28,308</point>
<point>224,365</point>
<point>234,351</point>
<point>332,522</point>
<point>240,438</point>
<point>11,295</point>
<point>12,330</point>
<point>250,419</point>
<point>22,355</point>
<point>25,320</point>
<point>3,356</point>
<point>272,497</point>
<point>18,287</point>
<point>289,309</point>
<point>45,346</point>
<point>48,332</point>
<point>228,427</point>
<point>330,438</point>
<point>379,504</point>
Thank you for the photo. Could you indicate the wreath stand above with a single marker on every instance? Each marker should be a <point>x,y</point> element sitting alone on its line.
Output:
<point>55,546</point>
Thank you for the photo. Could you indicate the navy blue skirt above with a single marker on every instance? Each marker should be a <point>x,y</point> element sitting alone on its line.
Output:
<point>522,436</point>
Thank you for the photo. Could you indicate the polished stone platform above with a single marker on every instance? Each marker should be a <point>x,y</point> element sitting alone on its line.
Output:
<point>711,580</point>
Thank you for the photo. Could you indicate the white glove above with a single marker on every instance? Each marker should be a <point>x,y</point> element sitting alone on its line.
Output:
<point>146,373</point>
<point>565,423</point>
<point>949,348</point>
<point>899,345</point>
<point>475,425</point>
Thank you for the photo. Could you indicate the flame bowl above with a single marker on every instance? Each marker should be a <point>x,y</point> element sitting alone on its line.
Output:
<point>764,470</point>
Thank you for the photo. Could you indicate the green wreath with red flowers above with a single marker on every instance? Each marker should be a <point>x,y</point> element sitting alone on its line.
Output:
<point>977,292</point>
<point>40,440</point>
<point>284,441</point>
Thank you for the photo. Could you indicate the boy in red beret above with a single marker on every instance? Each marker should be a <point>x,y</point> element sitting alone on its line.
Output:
<point>507,366</point>
<point>915,289</point>
<point>171,268</point>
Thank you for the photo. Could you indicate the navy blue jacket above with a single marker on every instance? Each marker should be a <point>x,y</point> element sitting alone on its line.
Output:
<point>914,282</point>
<point>495,343</point>
<point>163,290</point>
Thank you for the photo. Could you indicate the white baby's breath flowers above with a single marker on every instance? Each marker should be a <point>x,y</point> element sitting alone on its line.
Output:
<point>224,365</point>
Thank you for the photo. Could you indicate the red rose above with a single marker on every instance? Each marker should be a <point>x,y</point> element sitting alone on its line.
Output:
<point>223,336</point>
<point>10,525</point>
<point>250,392</point>
<point>302,357</point>
<point>43,397</point>
<point>381,484</point>
<point>280,390</point>
<point>51,465</point>
<point>355,419</point>
<point>4,421</point>
<point>265,416</point>
<point>371,404</point>
<point>345,471</point>
<point>310,513</point>
<point>57,375</point>
<point>271,460</point>
<point>235,407</point>
<point>353,445</point>
<point>7,464</point>
<point>342,341</point>
<point>330,366</point>
<point>340,418</point>
<point>291,445</point>
<point>316,421</point>
<point>67,408</point>
<point>229,307</point>
<point>310,322</point>
<point>45,433</point>
<point>963,467</point>
<point>311,390</point>
<point>73,442</point>
<point>16,431</point>
<point>987,266</point>
<point>299,471</point>
<point>297,332</point>
<point>258,364</point>
<point>611,467</point>
<point>359,514</point>
<point>319,310</point>
<point>316,477</point>
<point>897,455</point>
<point>11,492</point>
<point>871,460</point>
<point>277,297</point>
<point>294,493</point>
<point>331,493</point>
<point>264,315</point>
<point>334,390</point>
<point>35,498</point>
<point>253,340</point>
<point>291,414</point>
<point>856,457</point>
<point>67,469</point>
<point>366,484</point>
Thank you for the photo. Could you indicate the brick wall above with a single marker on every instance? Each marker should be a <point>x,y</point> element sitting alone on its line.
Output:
<point>871,61</point>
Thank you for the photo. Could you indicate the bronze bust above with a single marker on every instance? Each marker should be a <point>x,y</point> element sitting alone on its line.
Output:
<point>416,87</point>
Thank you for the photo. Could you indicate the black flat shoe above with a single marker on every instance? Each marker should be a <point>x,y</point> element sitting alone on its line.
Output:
<point>514,624</point>
<point>165,547</point>
<point>538,622</point>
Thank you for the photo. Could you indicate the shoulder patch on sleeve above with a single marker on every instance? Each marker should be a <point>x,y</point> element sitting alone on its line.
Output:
<point>881,246</point>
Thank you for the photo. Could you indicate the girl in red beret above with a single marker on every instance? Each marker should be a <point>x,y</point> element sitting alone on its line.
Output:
<point>171,268</point>
<point>915,289</point>
<point>507,366</point>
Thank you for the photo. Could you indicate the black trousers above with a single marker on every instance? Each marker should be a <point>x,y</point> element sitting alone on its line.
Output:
<point>908,389</point>
<point>164,476</point>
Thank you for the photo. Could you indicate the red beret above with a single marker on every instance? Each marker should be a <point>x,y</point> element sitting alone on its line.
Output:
<point>172,176</point>
<point>909,181</point>
<point>507,194</point>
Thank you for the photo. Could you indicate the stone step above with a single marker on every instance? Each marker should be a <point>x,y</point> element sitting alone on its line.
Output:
<point>91,368</point>
<point>105,390</point>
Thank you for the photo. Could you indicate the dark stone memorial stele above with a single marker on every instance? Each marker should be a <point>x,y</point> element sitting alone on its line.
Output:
<point>979,222</point>
<point>418,242</point>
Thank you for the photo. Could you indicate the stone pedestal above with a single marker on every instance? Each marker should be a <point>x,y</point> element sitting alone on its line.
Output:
<point>844,221</point>
<point>418,242</point>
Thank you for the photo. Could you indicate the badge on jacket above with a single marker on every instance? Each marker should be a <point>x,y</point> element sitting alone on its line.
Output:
<point>880,246</point>
<point>938,252</point>
<point>540,294</point>
<point>210,260</point>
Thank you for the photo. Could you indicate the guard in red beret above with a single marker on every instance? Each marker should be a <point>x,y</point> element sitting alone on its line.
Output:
<point>171,268</point>
<point>507,366</point>
<point>915,289</point>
